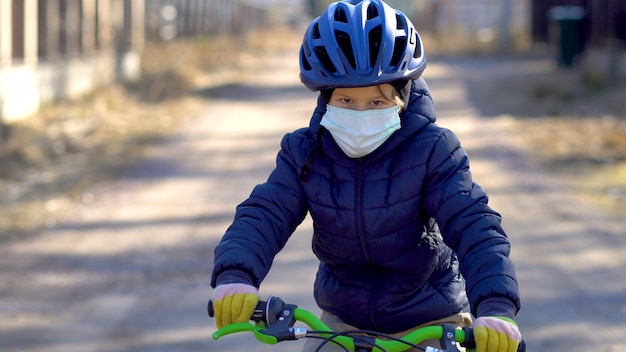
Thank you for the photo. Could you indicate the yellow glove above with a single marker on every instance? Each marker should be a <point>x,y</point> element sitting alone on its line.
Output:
<point>496,334</point>
<point>234,303</point>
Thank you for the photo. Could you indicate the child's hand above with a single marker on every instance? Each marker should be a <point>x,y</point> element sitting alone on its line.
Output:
<point>234,303</point>
<point>496,334</point>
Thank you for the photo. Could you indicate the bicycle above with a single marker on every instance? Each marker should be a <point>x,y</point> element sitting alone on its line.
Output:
<point>274,322</point>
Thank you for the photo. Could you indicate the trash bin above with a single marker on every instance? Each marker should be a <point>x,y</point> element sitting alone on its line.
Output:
<point>568,33</point>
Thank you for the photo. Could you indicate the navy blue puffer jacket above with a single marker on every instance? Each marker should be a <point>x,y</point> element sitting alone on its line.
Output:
<point>395,231</point>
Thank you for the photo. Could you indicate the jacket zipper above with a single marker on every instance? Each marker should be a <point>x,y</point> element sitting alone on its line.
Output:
<point>360,227</point>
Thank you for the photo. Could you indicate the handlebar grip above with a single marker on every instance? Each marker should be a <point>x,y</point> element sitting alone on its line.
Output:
<point>259,311</point>
<point>210,309</point>
<point>470,343</point>
<point>522,346</point>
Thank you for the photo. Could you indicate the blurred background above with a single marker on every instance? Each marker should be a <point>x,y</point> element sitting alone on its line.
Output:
<point>84,84</point>
<point>122,157</point>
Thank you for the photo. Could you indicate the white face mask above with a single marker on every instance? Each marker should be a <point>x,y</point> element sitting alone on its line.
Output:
<point>359,133</point>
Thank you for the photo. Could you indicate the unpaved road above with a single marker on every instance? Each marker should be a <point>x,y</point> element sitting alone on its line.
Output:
<point>130,271</point>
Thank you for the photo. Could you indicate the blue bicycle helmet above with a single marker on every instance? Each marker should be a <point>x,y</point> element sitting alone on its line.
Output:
<point>360,43</point>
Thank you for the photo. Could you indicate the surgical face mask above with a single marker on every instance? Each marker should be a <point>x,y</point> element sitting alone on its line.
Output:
<point>359,133</point>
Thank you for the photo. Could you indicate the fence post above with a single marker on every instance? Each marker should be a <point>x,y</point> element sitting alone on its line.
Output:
<point>6,25</point>
<point>5,55</point>
<point>505,26</point>
<point>88,26</point>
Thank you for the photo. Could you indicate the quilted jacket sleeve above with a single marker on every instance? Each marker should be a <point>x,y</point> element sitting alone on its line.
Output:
<point>263,223</point>
<point>472,229</point>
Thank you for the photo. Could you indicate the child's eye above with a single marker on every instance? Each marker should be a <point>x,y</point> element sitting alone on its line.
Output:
<point>377,102</point>
<point>346,100</point>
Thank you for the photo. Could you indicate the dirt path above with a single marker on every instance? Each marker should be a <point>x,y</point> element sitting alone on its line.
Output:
<point>570,257</point>
<point>131,271</point>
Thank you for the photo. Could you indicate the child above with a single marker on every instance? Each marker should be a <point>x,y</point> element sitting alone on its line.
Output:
<point>405,238</point>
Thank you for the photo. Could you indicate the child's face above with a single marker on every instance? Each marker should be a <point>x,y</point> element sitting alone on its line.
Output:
<point>363,98</point>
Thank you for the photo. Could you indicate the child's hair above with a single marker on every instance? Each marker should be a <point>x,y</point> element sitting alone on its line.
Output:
<point>395,97</point>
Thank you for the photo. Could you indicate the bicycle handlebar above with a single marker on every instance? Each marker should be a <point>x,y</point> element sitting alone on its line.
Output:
<point>275,319</point>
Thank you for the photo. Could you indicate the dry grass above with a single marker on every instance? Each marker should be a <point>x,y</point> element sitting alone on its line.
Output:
<point>574,125</point>
<point>49,160</point>
<point>52,160</point>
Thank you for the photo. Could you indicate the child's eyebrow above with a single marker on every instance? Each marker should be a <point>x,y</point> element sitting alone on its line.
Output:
<point>381,97</point>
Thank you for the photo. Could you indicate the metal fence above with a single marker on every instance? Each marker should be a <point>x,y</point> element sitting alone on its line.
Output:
<point>170,19</point>
<point>460,25</point>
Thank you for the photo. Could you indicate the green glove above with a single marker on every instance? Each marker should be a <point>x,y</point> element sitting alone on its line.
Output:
<point>234,303</point>
<point>496,334</point>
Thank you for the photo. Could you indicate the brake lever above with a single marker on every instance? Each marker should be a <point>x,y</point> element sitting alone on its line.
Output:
<point>281,326</point>
<point>277,317</point>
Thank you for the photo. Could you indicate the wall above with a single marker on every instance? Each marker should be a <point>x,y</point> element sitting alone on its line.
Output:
<point>62,49</point>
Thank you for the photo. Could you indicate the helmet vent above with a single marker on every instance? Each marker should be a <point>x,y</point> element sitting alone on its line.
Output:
<point>418,46</point>
<point>374,39</point>
<point>305,62</point>
<point>315,31</point>
<point>322,56</point>
<point>400,22</point>
<point>343,39</point>
<point>340,15</point>
<point>398,49</point>
<point>372,12</point>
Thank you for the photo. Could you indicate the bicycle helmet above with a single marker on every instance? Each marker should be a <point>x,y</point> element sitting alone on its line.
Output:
<point>360,43</point>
